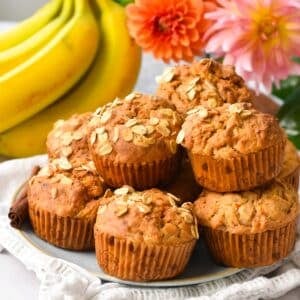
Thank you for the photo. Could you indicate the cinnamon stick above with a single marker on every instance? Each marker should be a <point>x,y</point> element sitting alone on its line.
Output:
<point>18,212</point>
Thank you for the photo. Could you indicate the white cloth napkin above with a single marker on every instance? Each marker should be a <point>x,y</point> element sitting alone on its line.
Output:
<point>61,280</point>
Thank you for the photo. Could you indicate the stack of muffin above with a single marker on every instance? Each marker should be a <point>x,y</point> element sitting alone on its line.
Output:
<point>124,178</point>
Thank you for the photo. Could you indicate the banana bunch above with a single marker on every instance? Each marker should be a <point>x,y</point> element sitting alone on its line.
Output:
<point>70,57</point>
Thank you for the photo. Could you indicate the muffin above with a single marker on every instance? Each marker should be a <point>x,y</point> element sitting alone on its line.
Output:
<point>252,228</point>
<point>63,203</point>
<point>184,186</point>
<point>68,138</point>
<point>205,82</point>
<point>232,147</point>
<point>143,236</point>
<point>291,165</point>
<point>133,141</point>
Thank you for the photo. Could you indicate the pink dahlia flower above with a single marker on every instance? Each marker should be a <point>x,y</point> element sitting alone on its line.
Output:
<point>258,37</point>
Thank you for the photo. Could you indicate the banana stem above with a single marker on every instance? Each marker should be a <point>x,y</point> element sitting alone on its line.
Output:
<point>124,2</point>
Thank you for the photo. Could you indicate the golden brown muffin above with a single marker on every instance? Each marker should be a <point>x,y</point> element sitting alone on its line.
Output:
<point>184,187</point>
<point>291,165</point>
<point>249,229</point>
<point>205,82</point>
<point>133,141</point>
<point>68,138</point>
<point>232,147</point>
<point>63,203</point>
<point>144,236</point>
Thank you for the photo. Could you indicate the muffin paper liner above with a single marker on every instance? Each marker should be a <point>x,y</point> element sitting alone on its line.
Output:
<point>139,175</point>
<point>238,174</point>
<point>137,261</point>
<point>250,250</point>
<point>293,178</point>
<point>65,232</point>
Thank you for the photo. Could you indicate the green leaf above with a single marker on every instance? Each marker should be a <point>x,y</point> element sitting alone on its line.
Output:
<point>289,116</point>
<point>297,59</point>
<point>124,2</point>
<point>287,86</point>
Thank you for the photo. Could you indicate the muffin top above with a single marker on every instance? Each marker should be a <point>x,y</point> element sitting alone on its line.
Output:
<point>138,127</point>
<point>205,82</point>
<point>261,209</point>
<point>229,130</point>
<point>184,186</point>
<point>68,138</point>
<point>66,191</point>
<point>291,160</point>
<point>151,216</point>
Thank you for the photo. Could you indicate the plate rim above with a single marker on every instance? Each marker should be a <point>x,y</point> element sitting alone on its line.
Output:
<point>160,283</point>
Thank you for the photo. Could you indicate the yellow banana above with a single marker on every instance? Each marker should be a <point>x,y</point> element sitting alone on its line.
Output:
<point>113,73</point>
<point>28,27</point>
<point>14,56</point>
<point>52,71</point>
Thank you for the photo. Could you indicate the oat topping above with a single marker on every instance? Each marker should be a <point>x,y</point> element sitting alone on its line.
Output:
<point>105,116</point>
<point>235,108</point>
<point>150,129</point>
<point>131,122</point>
<point>66,180</point>
<point>100,130</point>
<point>191,94</point>
<point>105,149</point>
<point>45,172</point>
<point>121,209</point>
<point>160,212</point>
<point>229,130</point>
<point>139,129</point>
<point>69,138</point>
<point>59,124</point>
<point>258,210</point>
<point>89,166</point>
<point>143,208</point>
<point>163,130</point>
<point>116,135</point>
<point>62,163</point>
<point>123,190</point>
<point>93,138</point>
<point>180,137</point>
<point>132,96</point>
<point>203,82</point>
<point>201,112</point>
<point>127,134</point>
<point>141,121</point>
<point>167,76</point>
<point>67,151</point>
<point>154,121</point>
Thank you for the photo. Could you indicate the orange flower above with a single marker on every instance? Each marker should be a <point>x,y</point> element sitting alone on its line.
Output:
<point>171,29</point>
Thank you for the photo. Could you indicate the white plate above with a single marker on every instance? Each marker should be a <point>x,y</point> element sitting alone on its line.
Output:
<point>201,268</point>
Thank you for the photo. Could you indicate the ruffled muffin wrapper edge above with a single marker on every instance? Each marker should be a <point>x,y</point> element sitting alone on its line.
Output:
<point>250,250</point>
<point>137,261</point>
<point>64,232</point>
<point>238,174</point>
<point>141,176</point>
